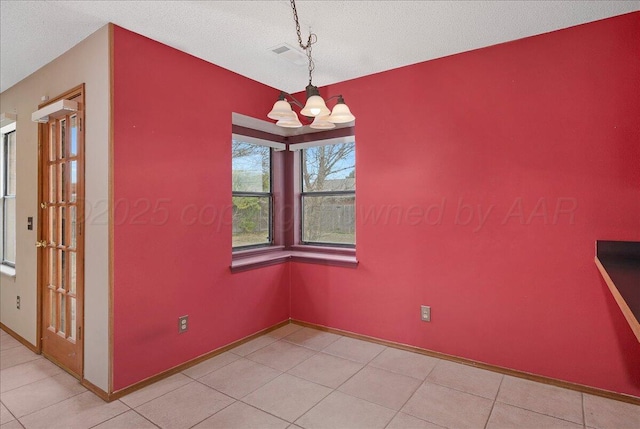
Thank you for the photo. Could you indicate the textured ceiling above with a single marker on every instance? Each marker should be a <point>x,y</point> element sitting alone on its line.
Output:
<point>355,38</point>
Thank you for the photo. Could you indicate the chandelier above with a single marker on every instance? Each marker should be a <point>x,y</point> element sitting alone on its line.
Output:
<point>315,108</point>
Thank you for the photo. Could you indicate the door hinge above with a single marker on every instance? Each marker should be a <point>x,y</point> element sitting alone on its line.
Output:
<point>79,333</point>
<point>81,124</point>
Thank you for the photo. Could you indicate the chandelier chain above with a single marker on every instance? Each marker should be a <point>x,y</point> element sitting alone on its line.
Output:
<point>311,40</point>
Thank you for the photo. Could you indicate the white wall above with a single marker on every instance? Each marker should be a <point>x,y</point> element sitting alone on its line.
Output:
<point>88,63</point>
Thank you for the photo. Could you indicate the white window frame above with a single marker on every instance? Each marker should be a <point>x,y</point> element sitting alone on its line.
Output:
<point>8,266</point>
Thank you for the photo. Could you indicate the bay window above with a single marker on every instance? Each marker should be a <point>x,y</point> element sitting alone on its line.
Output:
<point>293,195</point>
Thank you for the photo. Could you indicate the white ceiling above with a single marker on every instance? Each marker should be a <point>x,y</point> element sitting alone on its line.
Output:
<point>355,38</point>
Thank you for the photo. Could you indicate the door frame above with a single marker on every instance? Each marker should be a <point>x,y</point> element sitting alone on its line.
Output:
<point>43,134</point>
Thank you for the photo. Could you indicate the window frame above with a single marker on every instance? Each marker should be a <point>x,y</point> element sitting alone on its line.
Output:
<point>312,194</point>
<point>6,131</point>
<point>268,194</point>
<point>253,136</point>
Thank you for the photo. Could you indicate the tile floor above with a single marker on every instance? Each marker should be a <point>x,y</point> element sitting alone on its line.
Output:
<point>298,377</point>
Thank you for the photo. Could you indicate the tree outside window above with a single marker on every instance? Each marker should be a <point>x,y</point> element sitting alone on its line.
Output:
<point>328,194</point>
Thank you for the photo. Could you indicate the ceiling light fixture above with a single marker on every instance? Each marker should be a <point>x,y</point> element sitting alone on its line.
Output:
<point>315,107</point>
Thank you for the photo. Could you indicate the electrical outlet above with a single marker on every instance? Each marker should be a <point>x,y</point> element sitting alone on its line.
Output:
<point>18,302</point>
<point>183,324</point>
<point>425,313</point>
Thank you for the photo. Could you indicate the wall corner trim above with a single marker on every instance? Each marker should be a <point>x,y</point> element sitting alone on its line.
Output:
<point>96,390</point>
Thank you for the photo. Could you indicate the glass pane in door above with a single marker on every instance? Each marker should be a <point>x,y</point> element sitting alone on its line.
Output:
<point>63,266</point>
<point>74,182</point>
<point>52,309</point>
<point>72,226</point>
<point>52,142</point>
<point>53,181</point>
<point>72,333</point>
<point>63,182</point>
<point>59,271</point>
<point>53,227</point>
<point>73,125</point>
<point>61,230</point>
<point>63,314</point>
<point>72,272</point>
<point>63,139</point>
<point>51,262</point>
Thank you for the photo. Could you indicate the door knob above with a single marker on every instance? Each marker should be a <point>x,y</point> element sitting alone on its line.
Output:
<point>41,243</point>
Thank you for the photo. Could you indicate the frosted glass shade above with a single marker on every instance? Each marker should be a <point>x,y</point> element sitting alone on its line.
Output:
<point>341,114</point>
<point>281,110</point>
<point>320,123</point>
<point>315,106</point>
<point>291,122</point>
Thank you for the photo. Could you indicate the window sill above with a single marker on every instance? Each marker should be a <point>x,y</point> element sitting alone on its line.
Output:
<point>244,260</point>
<point>252,259</point>
<point>335,256</point>
<point>7,271</point>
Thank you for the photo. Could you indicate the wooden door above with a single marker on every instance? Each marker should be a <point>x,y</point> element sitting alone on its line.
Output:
<point>61,244</point>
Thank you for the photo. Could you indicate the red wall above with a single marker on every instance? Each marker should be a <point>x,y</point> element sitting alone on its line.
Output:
<point>539,135</point>
<point>545,133</point>
<point>172,159</point>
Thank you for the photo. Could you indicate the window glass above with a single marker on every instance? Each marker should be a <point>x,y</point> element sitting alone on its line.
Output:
<point>11,163</point>
<point>8,198</point>
<point>329,168</point>
<point>10,231</point>
<point>252,196</point>
<point>328,194</point>
<point>329,219</point>
<point>251,167</point>
<point>251,221</point>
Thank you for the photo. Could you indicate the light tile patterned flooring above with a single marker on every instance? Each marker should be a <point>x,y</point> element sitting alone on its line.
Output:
<point>298,377</point>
